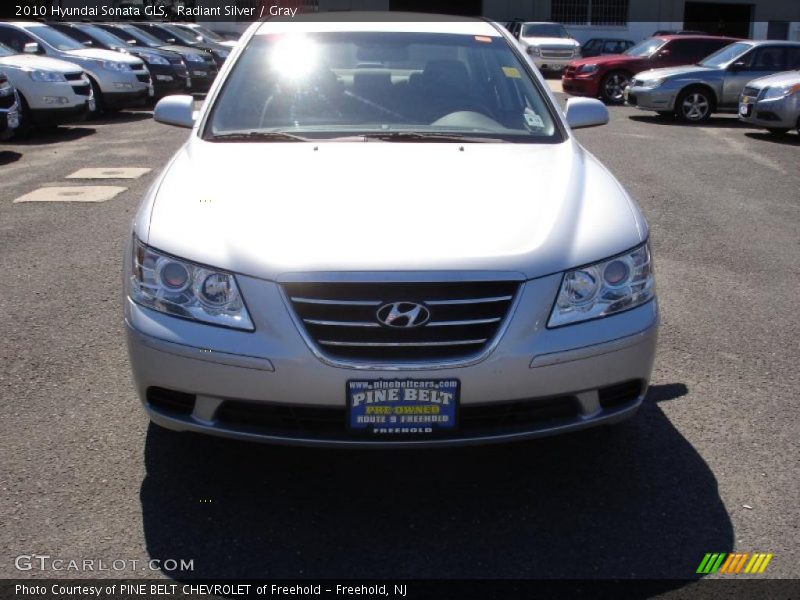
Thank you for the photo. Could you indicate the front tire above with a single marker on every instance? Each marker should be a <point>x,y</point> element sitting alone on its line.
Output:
<point>99,106</point>
<point>613,85</point>
<point>694,105</point>
<point>778,130</point>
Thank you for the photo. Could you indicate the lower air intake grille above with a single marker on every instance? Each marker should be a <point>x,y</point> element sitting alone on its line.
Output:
<point>455,320</point>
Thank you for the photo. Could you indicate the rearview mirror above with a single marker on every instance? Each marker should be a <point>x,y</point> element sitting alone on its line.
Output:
<point>175,110</point>
<point>585,112</point>
<point>32,48</point>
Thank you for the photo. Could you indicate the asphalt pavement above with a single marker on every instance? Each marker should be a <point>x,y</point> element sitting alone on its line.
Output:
<point>710,463</point>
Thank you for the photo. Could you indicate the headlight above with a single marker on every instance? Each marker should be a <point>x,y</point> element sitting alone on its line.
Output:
<point>534,51</point>
<point>604,288</point>
<point>650,83</point>
<point>6,89</point>
<point>184,289</point>
<point>587,69</point>
<point>115,66</point>
<point>195,58</point>
<point>154,59</point>
<point>780,91</point>
<point>47,76</point>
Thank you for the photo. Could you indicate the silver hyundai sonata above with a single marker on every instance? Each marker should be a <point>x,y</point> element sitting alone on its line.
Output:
<point>334,256</point>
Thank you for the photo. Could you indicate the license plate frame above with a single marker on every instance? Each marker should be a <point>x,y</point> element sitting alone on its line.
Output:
<point>416,408</point>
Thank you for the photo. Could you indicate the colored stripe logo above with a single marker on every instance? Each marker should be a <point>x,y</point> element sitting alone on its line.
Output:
<point>734,563</point>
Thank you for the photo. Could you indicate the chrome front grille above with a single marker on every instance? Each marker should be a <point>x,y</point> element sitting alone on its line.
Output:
<point>341,320</point>
<point>556,53</point>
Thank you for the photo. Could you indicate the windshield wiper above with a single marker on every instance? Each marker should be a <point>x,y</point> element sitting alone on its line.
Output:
<point>414,136</point>
<point>258,136</point>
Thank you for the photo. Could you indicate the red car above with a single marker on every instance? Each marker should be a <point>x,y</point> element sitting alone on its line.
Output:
<point>606,76</point>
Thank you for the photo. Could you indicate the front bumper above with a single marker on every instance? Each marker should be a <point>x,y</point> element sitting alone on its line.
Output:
<point>194,377</point>
<point>120,100</point>
<point>778,113</point>
<point>551,64</point>
<point>45,117</point>
<point>581,86</point>
<point>168,79</point>
<point>657,98</point>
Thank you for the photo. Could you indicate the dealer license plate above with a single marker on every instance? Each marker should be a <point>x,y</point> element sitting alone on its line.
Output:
<point>402,406</point>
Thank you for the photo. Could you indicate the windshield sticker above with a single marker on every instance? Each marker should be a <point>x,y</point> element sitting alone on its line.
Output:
<point>512,72</point>
<point>483,38</point>
<point>533,120</point>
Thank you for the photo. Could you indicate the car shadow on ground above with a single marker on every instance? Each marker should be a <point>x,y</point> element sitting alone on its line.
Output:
<point>788,139</point>
<point>6,158</point>
<point>635,500</point>
<point>126,116</point>
<point>722,121</point>
<point>51,135</point>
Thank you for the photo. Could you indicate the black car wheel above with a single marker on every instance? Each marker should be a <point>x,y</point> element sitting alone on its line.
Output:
<point>694,105</point>
<point>778,130</point>
<point>612,88</point>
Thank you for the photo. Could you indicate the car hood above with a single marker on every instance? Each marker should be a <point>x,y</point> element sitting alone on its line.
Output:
<point>269,209</point>
<point>550,42</point>
<point>101,54</point>
<point>782,78</point>
<point>685,70</point>
<point>606,59</point>
<point>183,50</point>
<point>32,61</point>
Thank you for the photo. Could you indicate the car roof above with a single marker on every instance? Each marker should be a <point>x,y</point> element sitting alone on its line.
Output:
<point>698,37</point>
<point>787,43</point>
<point>376,22</point>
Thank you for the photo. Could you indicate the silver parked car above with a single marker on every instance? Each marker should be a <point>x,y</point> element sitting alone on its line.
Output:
<point>118,81</point>
<point>772,102</point>
<point>714,84</point>
<point>329,260</point>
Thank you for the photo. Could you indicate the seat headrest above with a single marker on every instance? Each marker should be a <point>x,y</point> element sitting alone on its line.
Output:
<point>448,75</point>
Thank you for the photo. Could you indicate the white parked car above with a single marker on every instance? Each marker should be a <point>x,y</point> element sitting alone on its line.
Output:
<point>549,45</point>
<point>118,81</point>
<point>329,260</point>
<point>51,91</point>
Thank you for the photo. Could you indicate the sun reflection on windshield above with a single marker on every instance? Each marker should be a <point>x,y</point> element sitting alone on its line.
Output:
<point>295,56</point>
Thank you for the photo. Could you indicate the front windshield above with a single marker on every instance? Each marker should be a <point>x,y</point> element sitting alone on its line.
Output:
<point>141,37</point>
<point>645,48</point>
<point>358,83</point>
<point>6,51</point>
<point>721,58</point>
<point>102,36</point>
<point>56,39</point>
<point>551,30</point>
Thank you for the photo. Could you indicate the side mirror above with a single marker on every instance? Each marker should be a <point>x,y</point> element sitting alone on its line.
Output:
<point>32,48</point>
<point>176,110</point>
<point>585,112</point>
<point>170,40</point>
<point>88,43</point>
<point>738,65</point>
<point>664,53</point>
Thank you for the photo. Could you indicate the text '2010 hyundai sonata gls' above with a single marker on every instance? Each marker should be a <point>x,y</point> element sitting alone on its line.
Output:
<point>333,257</point>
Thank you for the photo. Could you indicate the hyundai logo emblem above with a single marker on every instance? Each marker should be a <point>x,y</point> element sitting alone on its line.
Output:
<point>403,315</point>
